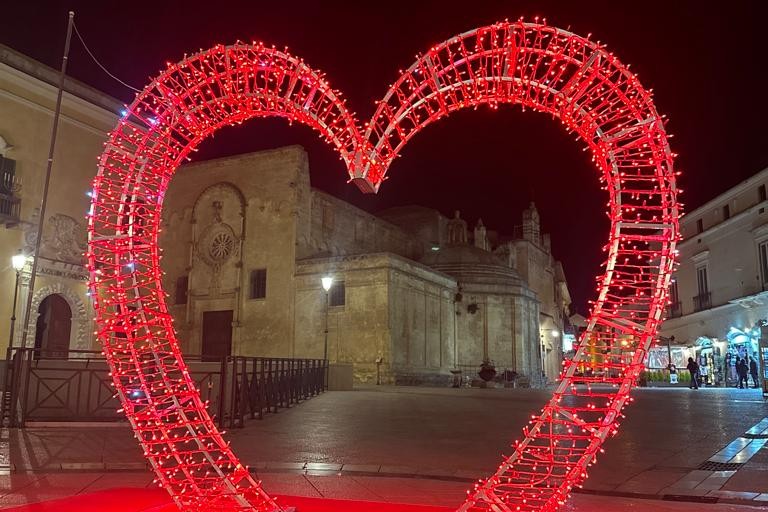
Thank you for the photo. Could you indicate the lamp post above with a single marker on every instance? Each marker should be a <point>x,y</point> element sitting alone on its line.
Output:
<point>18,261</point>
<point>327,283</point>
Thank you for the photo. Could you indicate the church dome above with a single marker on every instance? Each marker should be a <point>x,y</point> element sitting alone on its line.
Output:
<point>471,265</point>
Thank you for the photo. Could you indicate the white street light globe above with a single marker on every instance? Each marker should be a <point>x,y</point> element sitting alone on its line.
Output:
<point>555,333</point>
<point>18,261</point>
<point>327,283</point>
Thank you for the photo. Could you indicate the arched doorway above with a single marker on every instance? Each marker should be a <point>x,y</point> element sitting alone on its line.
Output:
<point>54,325</point>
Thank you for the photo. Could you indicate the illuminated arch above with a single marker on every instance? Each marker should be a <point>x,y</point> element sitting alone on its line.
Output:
<point>530,64</point>
<point>596,96</point>
<point>179,109</point>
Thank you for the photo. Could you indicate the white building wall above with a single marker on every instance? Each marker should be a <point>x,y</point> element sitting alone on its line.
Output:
<point>723,235</point>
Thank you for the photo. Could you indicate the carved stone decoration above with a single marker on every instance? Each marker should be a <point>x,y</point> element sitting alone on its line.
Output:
<point>79,338</point>
<point>4,146</point>
<point>457,230</point>
<point>222,246</point>
<point>64,238</point>
<point>218,211</point>
<point>30,231</point>
<point>217,244</point>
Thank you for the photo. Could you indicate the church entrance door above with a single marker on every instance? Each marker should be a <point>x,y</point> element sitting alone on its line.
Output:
<point>217,335</point>
<point>54,324</point>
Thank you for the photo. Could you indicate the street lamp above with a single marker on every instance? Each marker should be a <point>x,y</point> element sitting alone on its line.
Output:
<point>18,261</point>
<point>327,283</point>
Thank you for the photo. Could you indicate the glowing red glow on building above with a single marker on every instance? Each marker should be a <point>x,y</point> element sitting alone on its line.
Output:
<point>531,64</point>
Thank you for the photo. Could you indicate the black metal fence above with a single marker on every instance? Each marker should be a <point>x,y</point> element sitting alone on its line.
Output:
<point>77,386</point>
<point>702,301</point>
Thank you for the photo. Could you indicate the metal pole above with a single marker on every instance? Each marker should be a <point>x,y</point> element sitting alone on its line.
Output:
<point>13,311</point>
<point>669,353</point>
<point>49,167</point>
<point>325,345</point>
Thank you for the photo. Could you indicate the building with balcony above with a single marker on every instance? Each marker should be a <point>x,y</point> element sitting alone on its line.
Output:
<point>719,294</point>
<point>61,315</point>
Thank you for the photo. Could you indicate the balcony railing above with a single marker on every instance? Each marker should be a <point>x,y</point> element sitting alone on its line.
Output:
<point>675,310</point>
<point>10,202</point>
<point>702,301</point>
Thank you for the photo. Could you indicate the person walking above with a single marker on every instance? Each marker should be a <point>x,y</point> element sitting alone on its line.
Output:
<point>753,370</point>
<point>693,368</point>
<point>703,375</point>
<point>741,370</point>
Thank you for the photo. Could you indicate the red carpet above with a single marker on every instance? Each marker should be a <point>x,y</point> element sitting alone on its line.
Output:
<point>325,505</point>
<point>157,500</point>
<point>117,500</point>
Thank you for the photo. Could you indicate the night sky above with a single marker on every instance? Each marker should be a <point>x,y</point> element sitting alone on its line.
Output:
<point>705,63</point>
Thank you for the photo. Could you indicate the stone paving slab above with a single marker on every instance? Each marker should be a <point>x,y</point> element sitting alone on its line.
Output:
<point>458,437</point>
<point>650,482</point>
<point>313,494</point>
<point>748,480</point>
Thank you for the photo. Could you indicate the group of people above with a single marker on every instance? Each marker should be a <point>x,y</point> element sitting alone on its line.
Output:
<point>744,367</point>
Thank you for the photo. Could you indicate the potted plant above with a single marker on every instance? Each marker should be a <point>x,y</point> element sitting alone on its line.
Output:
<point>487,370</point>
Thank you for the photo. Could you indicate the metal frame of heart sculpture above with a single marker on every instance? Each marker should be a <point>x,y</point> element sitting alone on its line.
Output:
<point>531,64</point>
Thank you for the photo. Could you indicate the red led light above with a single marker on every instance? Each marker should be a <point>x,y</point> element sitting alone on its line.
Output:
<point>531,64</point>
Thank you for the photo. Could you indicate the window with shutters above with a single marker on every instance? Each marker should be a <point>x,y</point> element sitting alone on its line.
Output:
<point>762,252</point>
<point>10,203</point>
<point>701,280</point>
<point>704,299</point>
<point>258,288</point>
<point>182,285</point>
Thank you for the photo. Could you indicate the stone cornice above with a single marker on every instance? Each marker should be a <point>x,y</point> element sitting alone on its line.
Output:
<point>719,228</point>
<point>726,196</point>
<point>37,87</point>
<point>50,77</point>
<point>700,257</point>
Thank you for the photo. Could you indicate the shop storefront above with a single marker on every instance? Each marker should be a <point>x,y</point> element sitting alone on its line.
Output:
<point>712,356</point>
<point>742,345</point>
<point>659,357</point>
<point>717,357</point>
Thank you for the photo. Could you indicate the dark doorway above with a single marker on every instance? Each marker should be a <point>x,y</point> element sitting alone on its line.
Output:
<point>54,325</point>
<point>217,335</point>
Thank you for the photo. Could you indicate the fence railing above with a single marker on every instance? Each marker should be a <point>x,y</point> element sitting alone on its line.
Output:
<point>10,202</point>
<point>675,310</point>
<point>77,387</point>
<point>702,301</point>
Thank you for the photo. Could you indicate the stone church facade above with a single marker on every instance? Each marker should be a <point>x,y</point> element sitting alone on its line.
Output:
<point>415,295</point>
<point>247,239</point>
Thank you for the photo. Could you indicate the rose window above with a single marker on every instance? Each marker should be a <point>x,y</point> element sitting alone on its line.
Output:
<point>221,247</point>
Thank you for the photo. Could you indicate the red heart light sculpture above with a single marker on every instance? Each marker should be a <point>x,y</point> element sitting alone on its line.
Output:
<point>530,64</point>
